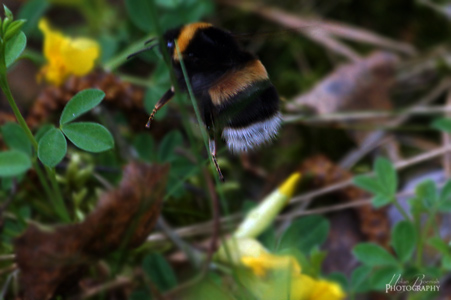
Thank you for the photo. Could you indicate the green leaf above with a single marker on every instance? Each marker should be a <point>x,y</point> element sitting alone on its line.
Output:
<point>14,48</point>
<point>13,29</point>
<point>445,193</point>
<point>13,163</point>
<point>32,11</point>
<point>89,136</point>
<point>305,234</point>
<point>383,276</point>
<point>339,278</point>
<point>369,184</point>
<point>8,13</point>
<point>381,200</point>
<point>416,206</point>
<point>139,12</point>
<point>169,3</point>
<point>140,294</point>
<point>444,206</point>
<point>440,245</point>
<point>167,146</point>
<point>403,240</point>
<point>145,146</point>
<point>159,271</point>
<point>427,191</point>
<point>386,175</point>
<point>81,103</point>
<point>16,138</point>
<point>317,258</point>
<point>268,238</point>
<point>446,262</point>
<point>373,255</point>
<point>443,124</point>
<point>360,278</point>
<point>42,131</point>
<point>445,198</point>
<point>52,147</point>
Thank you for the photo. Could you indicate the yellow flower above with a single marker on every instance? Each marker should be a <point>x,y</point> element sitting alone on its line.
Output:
<point>326,290</point>
<point>265,262</point>
<point>264,214</point>
<point>65,55</point>
<point>277,275</point>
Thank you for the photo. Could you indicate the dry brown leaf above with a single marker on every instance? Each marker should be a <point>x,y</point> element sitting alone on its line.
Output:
<point>53,261</point>
<point>362,85</point>
<point>374,223</point>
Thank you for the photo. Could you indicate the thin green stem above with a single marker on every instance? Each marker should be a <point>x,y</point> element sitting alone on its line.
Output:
<point>58,201</point>
<point>167,60</point>
<point>119,59</point>
<point>424,233</point>
<point>42,179</point>
<point>193,101</point>
<point>401,210</point>
<point>6,90</point>
<point>144,82</point>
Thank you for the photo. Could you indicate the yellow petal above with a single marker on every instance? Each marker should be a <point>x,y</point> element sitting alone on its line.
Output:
<point>233,249</point>
<point>54,41</point>
<point>289,186</point>
<point>66,56</point>
<point>79,55</point>
<point>266,262</point>
<point>302,287</point>
<point>327,290</point>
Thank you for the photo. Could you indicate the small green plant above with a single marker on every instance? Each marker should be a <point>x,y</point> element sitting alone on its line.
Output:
<point>87,136</point>
<point>382,270</point>
<point>49,144</point>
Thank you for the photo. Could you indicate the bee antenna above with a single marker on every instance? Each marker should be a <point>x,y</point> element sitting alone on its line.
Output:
<point>141,51</point>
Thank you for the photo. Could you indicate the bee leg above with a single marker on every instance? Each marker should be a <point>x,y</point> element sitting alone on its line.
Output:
<point>212,146</point>
<point>165,99</point>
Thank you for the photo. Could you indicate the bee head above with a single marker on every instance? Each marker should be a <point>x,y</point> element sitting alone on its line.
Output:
<point>202,46</point>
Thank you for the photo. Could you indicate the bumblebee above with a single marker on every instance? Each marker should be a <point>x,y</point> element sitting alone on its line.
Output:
<point>231,86</point>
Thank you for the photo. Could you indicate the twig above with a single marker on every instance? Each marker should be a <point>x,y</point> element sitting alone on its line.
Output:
<point>326,28</point>
<point>8,269</point>
<point>7,282</point>
<point>332,208</point>
<point>398,166</point>
<point>193,255</point>
<point>115,284</point>
<point>373,139</point>
<point>230,221</point>
<point>365,115</point>
<point>226,223</point>
<point>446,137</point>
<point>7,257</point>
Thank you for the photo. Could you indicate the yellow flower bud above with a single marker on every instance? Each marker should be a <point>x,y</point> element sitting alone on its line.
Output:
<point>263,215</point>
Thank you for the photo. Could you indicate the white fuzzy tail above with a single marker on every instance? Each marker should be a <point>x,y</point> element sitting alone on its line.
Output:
<point>252,136</point>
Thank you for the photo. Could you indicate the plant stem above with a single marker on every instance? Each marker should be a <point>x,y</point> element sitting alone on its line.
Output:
<point>119,59</point>
<point>58,201</point>
<point>42,179</point>
<point>6,90</point>
<point>424,233</point>
<point>401,209</point>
